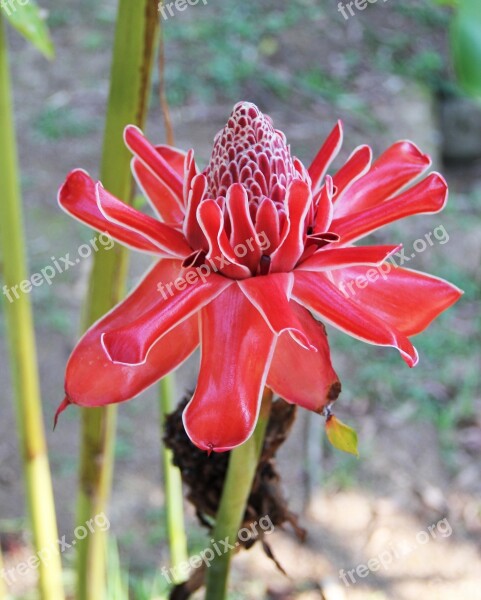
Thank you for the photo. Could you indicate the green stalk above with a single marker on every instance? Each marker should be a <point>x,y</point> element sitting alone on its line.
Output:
<point>134,47</point>
<point>242,468</point>
<point>21,337</point>
<point>174,502</point>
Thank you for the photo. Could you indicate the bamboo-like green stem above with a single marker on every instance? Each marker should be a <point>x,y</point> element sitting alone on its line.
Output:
<point>242,468</point>
<point>134,47</point>
<point>22,347</point>
<point>172,485</point>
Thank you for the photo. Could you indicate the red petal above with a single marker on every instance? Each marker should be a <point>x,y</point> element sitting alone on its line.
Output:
<point>191,227</point>
<point>78,198</point>
<point>298,202</point>
<point>405,299</point>
<point>325,156</point>
<point>356,166</point>
<point>174,157</point>
<point>243,231</point>
<point>175,301</point>
<point>267,224</point>
<point>325,209</point>
<point>397,167</point>
<point>93,380</point>
<point>236,351</point>
<point>317,293</point>
<point>271,295</point>
<point>428,196</point>
<point>302,376</point>
<point>166,204</point>
<point>169,241</point>
<point>336,258</point>
<point>211,220</point>
<point>190,171</point>
<point>167,163</point>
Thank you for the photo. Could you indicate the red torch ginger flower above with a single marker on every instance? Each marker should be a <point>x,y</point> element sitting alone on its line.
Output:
<point>247,252</point>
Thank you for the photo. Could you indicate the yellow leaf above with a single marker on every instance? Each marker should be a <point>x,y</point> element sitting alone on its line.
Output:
<point>341,435</point>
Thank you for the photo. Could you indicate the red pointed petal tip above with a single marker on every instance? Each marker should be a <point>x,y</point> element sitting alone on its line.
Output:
<point>326,155</point>
<point>443,184</point>
<point>210,447</point>
<point>132,133</point>
<point>73,177</point>
<point>409,148</point>
<point>410,356</point>
<point>329,302</point>
<point>154,157</point>
<point>65,404</point>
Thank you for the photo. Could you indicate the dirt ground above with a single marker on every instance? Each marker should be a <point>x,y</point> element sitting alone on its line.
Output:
<point>413,500</point>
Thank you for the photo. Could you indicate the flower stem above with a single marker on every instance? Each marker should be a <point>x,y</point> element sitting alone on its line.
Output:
<point>134,46</point>
<point>21,337</point>
<point>174,501</point>
<point>237,487</point>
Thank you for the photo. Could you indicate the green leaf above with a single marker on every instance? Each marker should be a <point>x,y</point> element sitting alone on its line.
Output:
<point>341,435</point>
<point>466,46</point>
<point>28,20</point>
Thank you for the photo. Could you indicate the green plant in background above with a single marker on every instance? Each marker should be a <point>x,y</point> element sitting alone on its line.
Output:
<point>118,579</point>
<point>465,41</point>
<point>236,48</point>
<point>408,56</point>
<point>55,123</point>
<point>466,45</point>
<point>26,19</point>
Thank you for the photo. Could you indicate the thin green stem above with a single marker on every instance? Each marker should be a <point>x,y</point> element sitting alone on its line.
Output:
<point>242,468</point>
<point>174,501</point>
<point>21,337</point>
<point>174,498</point>
<point>164,104</point>
<point>134,46</point>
